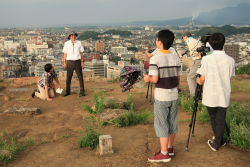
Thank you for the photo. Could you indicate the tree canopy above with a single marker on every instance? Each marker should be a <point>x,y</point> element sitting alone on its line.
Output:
<point>225,30</point>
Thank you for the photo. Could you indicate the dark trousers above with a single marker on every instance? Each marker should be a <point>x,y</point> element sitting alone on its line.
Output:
<point>71,66</point>
<point>218,122</point>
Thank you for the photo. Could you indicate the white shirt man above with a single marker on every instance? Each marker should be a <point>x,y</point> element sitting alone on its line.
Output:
<point>73,50</point>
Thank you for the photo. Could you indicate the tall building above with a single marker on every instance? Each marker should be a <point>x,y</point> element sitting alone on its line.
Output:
<point>10,45</point>
<point>39,68</point>
<point>119,50</point>
<point>99,46</point>
<point>97,66</point>
<point>233,51</point>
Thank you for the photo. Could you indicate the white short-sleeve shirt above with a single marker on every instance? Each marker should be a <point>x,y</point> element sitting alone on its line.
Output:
<point>73,50</point>
<point>217,68</point>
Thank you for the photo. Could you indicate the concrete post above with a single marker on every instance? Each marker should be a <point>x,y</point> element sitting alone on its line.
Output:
<point>105,144</point>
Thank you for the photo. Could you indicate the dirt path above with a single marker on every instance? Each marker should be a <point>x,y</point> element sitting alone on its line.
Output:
<point>132,145</point>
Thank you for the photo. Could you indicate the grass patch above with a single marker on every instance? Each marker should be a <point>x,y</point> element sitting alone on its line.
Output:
<point>43,142</point>
<point>240,86</point>
<point>91,137</point>
<point>114,79</point>
<point>141,93</point>
<point>10,143</point>
<point>238,120</point>
<point>65,136</point>
<point>130,119</point>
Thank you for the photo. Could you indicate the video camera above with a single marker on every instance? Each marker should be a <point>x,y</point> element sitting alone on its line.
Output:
<point>203,50</point>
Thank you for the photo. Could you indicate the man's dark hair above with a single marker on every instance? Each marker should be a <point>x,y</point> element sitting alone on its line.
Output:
<point>217,41</point>
<point>48,67</point>
<point>166,37</point>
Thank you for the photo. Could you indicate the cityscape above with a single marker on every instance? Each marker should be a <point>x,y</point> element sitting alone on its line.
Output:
<point>24,51</point>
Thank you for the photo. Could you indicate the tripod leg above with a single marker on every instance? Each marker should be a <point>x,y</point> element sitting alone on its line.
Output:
<point>190,127</point>
<point>151,94</point>
<point>193,124</point>
<point>147,91</point>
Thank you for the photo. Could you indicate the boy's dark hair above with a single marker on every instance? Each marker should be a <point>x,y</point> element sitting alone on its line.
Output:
<point>166,37</point>
<point>48,67</point>
<point>217,41</point>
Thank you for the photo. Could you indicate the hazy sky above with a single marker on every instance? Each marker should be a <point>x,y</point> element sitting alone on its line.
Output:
<point>49,13</point>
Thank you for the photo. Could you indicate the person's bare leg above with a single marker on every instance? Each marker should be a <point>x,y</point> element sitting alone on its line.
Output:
<point>164,144</point>
<point>171,139</point>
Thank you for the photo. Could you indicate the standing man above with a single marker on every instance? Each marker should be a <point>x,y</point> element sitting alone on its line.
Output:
<point>192,45</point>
<point>216,70</point>
<point>73,60</point>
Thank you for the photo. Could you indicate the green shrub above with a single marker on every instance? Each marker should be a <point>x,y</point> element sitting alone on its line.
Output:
<point>243,70</point>
<point>130,119</point>
<point>14,148</point>
<point>91,137</point>
<point>238,120</point>
<point>99,106</point>
<point>114,79</point>
<point>129,103</point>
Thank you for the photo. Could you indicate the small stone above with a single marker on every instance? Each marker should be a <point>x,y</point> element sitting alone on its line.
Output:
<point>2,94</point>
<point>110,114</point>
<point>4,152</point>
<point>22,111</point>
<point>6,97</point>
<point>105,144</point>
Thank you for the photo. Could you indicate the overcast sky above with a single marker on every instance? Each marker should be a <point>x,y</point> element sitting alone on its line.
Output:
<point>51,13</point>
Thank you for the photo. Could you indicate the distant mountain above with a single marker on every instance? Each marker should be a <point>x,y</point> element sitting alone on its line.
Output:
<point>229,15</point>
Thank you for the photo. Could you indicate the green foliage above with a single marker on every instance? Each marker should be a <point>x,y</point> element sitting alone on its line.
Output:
<point>114,79</point>
<point>243,70</point>
<point>226,30</point>
<point>14,148</point>
<point>91,137</point>
<point>99,106</point>
<point>113,105</point>
<point>132,48</point>
<point>130,119</point>
<point>238,119</point>
<point>65,136</point>
<point>240,86</point>
<point>89,34</point>
<point>118,32</point>
<point>129,105</point>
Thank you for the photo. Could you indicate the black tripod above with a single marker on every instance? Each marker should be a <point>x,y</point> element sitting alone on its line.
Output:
<point>197,97</point>
<point>151,92</point>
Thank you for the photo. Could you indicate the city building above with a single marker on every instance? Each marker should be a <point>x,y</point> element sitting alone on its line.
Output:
<point>119,50</point>
<point>8,60</point>
<point>10,45</point>
<point>11,67</point>
<point>97,66</point>
<point>99,46</point>
<point>116,36</point>
<point>39,68</point>
<point>233,51</point>
<point>85,73</point>
<point>146,28</point>
<point>142,56</point>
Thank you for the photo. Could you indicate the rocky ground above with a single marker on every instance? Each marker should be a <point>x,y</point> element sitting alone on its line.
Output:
<point>132,145</point>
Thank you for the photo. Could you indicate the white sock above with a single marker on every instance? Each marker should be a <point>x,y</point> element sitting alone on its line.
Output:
<point>164,152</point>
<point>170,146</point>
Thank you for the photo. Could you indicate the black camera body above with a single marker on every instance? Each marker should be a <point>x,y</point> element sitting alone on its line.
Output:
<point>203,50</point>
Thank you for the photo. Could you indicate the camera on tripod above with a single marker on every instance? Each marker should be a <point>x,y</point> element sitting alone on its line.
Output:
<point>203,50</point>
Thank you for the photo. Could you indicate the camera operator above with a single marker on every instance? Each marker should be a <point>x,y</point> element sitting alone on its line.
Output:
<point>216,70</point>
<point>192,44</point>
